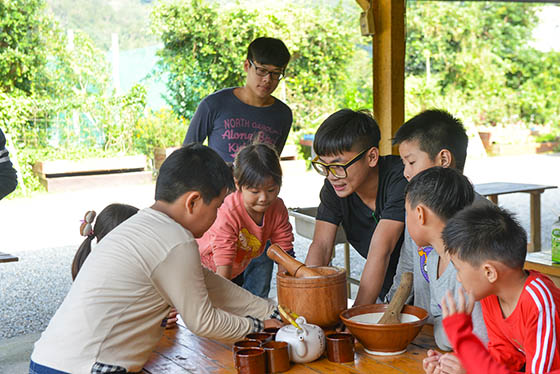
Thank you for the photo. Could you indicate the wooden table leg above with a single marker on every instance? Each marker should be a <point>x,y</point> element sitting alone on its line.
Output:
<point>535,221</point>
<point>493,198</point>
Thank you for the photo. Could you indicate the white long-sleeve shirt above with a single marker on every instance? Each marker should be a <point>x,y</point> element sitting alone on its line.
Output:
<point>114,309</point>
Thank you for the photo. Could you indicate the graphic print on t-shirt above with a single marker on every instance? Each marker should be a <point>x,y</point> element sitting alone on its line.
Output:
<point>239,132</point>
<point>423,252</point>
<point>247,246</point>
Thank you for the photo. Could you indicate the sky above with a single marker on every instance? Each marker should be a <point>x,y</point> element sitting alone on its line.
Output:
<point>547,32</point>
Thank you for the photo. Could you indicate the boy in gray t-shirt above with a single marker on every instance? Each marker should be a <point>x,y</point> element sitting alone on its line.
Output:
<point>433,196</point>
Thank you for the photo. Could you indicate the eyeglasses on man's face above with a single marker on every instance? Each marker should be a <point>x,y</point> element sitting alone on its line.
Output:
<point>262,72</point>
<point>338,170</point>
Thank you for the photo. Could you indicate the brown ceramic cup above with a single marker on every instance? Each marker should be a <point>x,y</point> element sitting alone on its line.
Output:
<point>250,361</point>
<point>340,347</point>
<point>247,343</point>
<point>277,357</point>
<point>264,337</point>
<point>272,330</point>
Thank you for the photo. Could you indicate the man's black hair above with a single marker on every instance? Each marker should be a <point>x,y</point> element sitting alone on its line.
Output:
<point>479,233</point>
<point>436,130</point>
<point>445,191</point>
<point>255,163</point>
<point>346,130</point>
<point>268,51</point>
<point>193,167</point>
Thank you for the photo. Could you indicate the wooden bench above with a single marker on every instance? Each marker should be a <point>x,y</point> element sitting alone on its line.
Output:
<point>6,257</point>
<point>494,189</point>
<point>70,175</point>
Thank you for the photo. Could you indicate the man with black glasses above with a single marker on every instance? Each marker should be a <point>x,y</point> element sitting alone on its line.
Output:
<point>234,117</point>
<point>365,193</point>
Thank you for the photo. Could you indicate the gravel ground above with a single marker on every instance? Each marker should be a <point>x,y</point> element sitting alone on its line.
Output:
<point>42,231</point>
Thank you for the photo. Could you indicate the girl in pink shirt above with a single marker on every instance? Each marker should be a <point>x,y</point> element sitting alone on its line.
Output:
<point>249,217</point>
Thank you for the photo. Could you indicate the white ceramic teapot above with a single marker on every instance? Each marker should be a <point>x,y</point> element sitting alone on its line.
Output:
<point>305,344</point>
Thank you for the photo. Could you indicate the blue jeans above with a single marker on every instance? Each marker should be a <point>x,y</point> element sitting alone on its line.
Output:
<point>258,274</point>
<point>40,369</point>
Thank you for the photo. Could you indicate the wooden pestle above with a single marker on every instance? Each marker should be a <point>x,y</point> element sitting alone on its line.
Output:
<point>293,266</point>
<point>393,313</point>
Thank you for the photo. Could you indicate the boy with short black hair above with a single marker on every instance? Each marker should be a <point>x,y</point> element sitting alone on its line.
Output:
<point>364,192</point>
<point>431,138</point>
<point>432,197</point>
<point>488,248</point>
<point>111,318</point>
<point>234,117</point>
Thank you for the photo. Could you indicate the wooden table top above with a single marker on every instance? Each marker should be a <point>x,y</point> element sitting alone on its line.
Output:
<point>501,188</point>
<point>6,257</point>
<point>542,261</point>
<point>180,351</point>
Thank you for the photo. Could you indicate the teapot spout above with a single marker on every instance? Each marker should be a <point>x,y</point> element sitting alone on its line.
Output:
<point>301,347</point>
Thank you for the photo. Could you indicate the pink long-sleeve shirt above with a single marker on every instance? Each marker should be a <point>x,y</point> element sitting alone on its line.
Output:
<point>235,239</point>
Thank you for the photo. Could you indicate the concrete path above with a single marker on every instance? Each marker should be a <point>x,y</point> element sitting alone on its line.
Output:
<point>43,232</point>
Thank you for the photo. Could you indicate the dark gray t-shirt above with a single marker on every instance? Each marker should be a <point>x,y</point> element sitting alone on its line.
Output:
<point>229,124</point>
<point>359,221</point>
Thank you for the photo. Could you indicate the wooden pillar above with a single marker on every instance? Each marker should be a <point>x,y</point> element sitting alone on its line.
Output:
<point>388,67</point>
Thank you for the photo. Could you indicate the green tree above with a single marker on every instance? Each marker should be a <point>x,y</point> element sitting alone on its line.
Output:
<point>204,50</point>
<point>22,43</point>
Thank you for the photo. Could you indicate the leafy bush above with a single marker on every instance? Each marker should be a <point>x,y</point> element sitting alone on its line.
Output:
<point>159,128</point>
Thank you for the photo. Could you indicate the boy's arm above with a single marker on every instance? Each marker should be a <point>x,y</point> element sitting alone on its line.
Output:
<point>281,142</point>
<point>499,346</point>
<point>470,350</point>
<point>385,237</point>
<point>320,250</point>
<point>201,124</point>
<point>202,297</point>
<point>541,324</point>
<point>326,223</point>
<point>458,325</point>
<point>405,264</point>
<point>222,238</point>
<point>282,231</point>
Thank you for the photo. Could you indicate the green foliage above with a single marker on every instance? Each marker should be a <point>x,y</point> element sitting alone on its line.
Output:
<point>204,50</point>
<point>159,128</point>
<point>22,43</point>
<point>481,62</point>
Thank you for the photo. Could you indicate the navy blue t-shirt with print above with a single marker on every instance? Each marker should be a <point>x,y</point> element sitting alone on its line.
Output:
<point>359,221</point>
<point>229,124</point>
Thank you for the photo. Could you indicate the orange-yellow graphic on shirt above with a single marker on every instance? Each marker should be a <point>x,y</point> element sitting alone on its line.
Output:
<point>248,246</point>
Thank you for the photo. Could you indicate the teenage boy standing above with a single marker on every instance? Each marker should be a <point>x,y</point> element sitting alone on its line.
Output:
<point>233,117</point>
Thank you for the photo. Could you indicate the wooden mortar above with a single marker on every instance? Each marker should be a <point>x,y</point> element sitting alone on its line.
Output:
<point>316,293</point>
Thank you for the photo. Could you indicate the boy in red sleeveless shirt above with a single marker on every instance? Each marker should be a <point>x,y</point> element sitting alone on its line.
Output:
<point>488,248</point>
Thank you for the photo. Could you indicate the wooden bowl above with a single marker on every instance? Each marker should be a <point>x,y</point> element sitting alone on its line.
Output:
<point>384,339</point>
<point>319,299</point>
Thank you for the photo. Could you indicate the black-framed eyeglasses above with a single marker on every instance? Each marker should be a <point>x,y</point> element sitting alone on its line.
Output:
<point>262,72</point>
<point>336,169</point>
